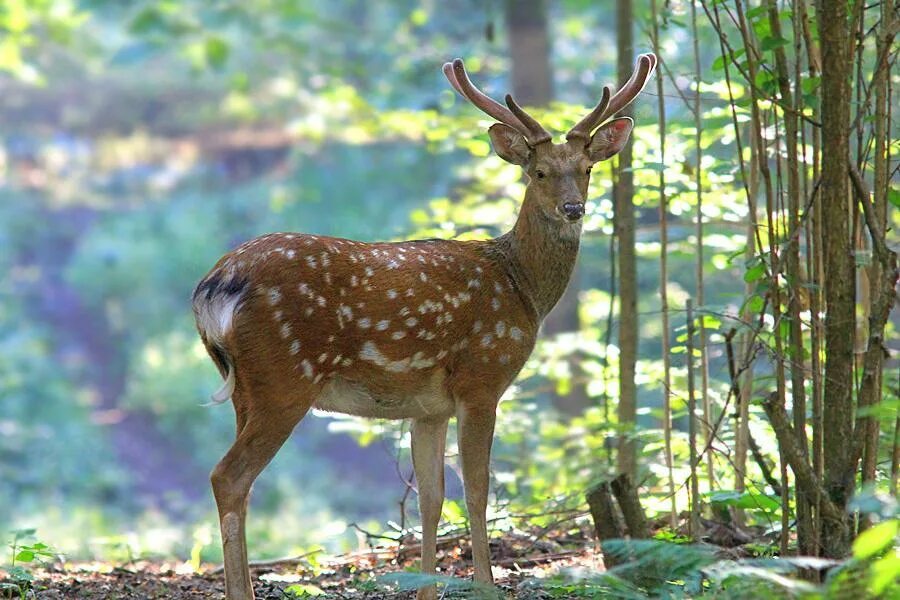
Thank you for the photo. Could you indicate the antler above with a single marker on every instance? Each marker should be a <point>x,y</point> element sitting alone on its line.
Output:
<point>646,64</point>
<point>513,116</point>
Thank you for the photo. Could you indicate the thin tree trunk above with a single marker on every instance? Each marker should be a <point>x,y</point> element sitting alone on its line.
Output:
<point>816,273</point>
<point>624,208</point>
<point>694,521</point>
<point>795,278</point>
<point>708,417</point>
<point>834,35</point>
<point>664,278</point>
<point>879,202</point>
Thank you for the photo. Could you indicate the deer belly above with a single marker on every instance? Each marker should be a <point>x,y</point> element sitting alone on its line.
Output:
<point>349,397</point>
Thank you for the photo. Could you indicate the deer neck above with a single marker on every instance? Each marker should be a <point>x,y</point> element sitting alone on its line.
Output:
<point>541,253</point>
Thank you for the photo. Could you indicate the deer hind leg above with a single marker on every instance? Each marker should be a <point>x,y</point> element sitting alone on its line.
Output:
<point>260,436</point>
<point>476,433</point>
<point>428,440</point>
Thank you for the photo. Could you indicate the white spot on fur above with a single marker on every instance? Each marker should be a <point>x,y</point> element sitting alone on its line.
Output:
<point>322,358</point>
<point>364,323</point>
<point>504,359</point>
<point>382,325</point>
<point>486,340</point>
<point>392,294</point>
<point>371,353</point>
<point>295,346</point>
<point>495,303</point>
<point>274,296</point>
<point>398,335</point>
<point>411,322</point>
<point>500,329</point>
<point>307,368</point>
<point>285,330</point>
<point>476,326</point>
<point>516,334</point>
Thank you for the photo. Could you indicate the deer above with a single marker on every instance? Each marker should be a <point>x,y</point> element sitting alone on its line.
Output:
<point>423,330</point>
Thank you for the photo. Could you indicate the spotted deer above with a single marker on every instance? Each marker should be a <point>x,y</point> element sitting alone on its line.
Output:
<point>421,330</point>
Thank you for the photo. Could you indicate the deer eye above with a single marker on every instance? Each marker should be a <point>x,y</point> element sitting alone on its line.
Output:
<point>588,172</point>
<point>540,174</point>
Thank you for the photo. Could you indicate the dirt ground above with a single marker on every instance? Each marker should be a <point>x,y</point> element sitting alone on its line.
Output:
<point>348,577</point>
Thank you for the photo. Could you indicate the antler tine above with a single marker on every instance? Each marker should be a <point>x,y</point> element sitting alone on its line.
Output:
<point>584,127</point>
<point>646,63</point>
<point>536,132</point>
<point>460,81</point>
<point>451,77</point>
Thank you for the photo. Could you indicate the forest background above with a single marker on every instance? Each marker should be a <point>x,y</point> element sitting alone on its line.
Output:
<point>143,139</point>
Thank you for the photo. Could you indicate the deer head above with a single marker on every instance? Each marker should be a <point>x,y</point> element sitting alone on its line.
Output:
<point>558,174</point>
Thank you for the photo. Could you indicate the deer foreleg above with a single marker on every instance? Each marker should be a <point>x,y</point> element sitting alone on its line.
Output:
<point>476,432</point>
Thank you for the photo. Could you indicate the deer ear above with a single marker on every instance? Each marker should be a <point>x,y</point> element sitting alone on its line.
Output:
<point>509,144</point>
<point>609,139</point>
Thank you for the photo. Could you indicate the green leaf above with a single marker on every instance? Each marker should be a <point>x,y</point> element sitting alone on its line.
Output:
<point>148,20</point>
<point>216,50</point>
<point>25,556</point>
<point>746,500</point>
<point>894,197</point>
<point>755,303</point>
<point>885,571</point>
<point>756,12</point>
<point>304,590</point>
<point>810,84</point>
<point>772,42</point>
<point>874,540</point>
<point>755,272</point>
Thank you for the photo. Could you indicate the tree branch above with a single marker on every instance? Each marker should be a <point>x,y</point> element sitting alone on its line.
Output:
<point>796,458</point>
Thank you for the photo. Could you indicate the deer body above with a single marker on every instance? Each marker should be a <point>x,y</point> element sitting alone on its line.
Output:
<point>422,330</point>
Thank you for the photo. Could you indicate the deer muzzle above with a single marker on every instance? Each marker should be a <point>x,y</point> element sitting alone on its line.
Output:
<point>573,210</point>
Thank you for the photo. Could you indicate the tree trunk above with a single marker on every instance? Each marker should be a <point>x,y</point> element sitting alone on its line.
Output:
<point>623,190</point>
<point>529,49</point>
<point>532,85</point>
<point>839,281</point>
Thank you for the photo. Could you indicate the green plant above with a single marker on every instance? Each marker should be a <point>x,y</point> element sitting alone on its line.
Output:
<point>20,577</point>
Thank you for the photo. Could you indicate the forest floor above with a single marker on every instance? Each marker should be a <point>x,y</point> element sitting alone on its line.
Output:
<point>518,561</point>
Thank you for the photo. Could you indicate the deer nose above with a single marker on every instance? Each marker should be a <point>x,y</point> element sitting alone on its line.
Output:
<point>573,210</point>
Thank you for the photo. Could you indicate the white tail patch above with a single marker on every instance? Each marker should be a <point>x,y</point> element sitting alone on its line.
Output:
<point>215,315</point>
<point>224,393</point>
<point>215,302</point>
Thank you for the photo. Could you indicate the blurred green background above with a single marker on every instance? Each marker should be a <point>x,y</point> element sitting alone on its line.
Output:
<point>143,139</point>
